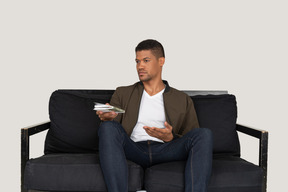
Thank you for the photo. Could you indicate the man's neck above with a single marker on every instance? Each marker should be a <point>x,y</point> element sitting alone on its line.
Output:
<point>152,88</point>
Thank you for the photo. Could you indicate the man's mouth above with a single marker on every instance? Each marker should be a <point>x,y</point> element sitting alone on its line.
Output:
<point>141,73</point>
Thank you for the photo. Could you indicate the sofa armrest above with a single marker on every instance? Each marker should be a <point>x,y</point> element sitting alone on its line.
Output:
<point>262,135</point>
<point>25,145</point>
<point>263,142</point>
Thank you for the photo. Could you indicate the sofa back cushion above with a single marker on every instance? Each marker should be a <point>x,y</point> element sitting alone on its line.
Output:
<point>219,113</point>
<point>74,123</point>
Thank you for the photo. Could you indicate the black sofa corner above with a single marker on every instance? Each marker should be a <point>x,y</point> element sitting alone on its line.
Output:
<point>71,162</point>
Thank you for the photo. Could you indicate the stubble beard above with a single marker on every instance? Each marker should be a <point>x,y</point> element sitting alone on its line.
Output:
<point>145,79</point>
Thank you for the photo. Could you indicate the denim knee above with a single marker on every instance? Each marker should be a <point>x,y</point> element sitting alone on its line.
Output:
<point>204,134</point>
<point>109,129</point>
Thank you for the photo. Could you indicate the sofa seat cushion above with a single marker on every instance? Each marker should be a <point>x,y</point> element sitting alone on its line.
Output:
<point>229,174</point>
<point>73,172</point>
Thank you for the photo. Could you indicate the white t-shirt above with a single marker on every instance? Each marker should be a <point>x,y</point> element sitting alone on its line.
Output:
<point>152,114</point>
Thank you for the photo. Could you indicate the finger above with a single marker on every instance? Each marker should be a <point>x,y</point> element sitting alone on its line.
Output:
<point>151,133</point>
<point>159,130</point>
<point>107,115</point>
<point>101,113</point>
<point>156,132</point>
<point>149,130</point>
<point>167,125</point>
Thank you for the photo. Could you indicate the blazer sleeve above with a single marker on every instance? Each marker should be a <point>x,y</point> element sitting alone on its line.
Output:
<point>116,101</point>
<point>190,120</point>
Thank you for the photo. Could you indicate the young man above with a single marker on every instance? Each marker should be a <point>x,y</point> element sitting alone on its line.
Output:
<point>157,118</point>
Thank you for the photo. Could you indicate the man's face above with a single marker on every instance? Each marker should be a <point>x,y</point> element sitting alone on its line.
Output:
<point>148,66</point>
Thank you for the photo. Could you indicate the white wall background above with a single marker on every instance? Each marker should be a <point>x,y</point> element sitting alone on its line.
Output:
<point>239,46</point>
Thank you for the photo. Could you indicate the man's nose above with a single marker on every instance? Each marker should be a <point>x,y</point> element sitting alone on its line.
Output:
<point>141,64</point>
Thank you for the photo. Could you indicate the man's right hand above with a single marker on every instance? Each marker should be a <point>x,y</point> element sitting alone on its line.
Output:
<point>106,116</point>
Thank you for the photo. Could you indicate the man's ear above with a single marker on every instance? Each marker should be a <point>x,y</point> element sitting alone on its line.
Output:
<point>161,61</point>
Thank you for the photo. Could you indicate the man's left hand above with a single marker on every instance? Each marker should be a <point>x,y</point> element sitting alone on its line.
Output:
<point>164,134</point>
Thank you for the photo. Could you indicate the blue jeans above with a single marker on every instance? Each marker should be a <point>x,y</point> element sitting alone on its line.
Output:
<point>115,146</point>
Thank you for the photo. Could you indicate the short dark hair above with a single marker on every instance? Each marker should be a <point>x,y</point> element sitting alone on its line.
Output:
<point>153,45</point>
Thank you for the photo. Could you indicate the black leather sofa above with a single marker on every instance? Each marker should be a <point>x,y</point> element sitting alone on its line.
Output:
<point>71,162</point>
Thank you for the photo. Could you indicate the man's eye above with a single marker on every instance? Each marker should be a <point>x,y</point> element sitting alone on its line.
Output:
<point>146,60</point>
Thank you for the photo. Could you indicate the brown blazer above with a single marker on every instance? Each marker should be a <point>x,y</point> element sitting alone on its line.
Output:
<point>179,108</point>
